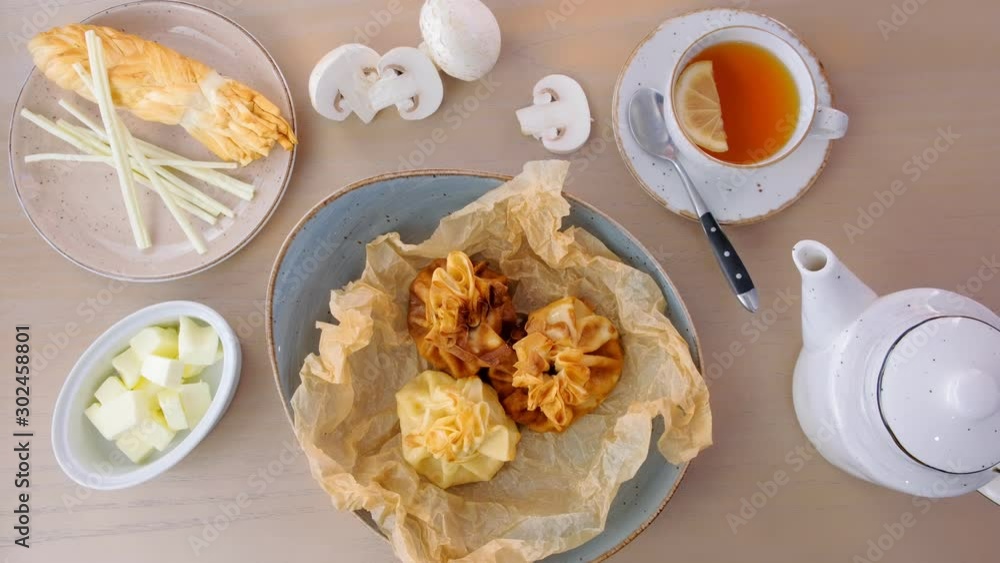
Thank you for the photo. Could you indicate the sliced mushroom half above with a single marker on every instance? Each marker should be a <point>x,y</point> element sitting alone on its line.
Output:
<point>408,80</point>
<point>340,82</point>
<point>559,116</point>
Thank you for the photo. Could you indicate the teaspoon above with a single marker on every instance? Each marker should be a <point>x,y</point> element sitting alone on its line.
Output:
<point>645,119</point>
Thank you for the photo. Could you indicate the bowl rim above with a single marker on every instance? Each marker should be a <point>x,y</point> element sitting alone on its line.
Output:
<point>365,182</point>
<point>88,366</point>
<point>236,248</point>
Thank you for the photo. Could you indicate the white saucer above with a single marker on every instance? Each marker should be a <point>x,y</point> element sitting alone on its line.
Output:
<point>737,196</point>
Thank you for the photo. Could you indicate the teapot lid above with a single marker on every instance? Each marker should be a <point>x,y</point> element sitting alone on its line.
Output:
<point>939,394</point>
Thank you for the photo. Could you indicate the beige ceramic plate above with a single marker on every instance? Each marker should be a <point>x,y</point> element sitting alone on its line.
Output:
<point>77,207</point>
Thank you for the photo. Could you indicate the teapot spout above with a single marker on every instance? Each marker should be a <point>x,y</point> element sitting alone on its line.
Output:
<point>832,296</point>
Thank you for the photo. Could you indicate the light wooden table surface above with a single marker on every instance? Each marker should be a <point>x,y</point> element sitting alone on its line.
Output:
<point>937,69</point>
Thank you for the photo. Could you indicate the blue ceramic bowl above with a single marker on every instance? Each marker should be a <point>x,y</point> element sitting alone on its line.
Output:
<point>326,250</point>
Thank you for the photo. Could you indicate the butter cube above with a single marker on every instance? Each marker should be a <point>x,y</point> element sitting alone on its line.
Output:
<point>195,398</point>
<point>134,446</point>
<point>173,410</point>
<point>120,414</point>
<point>111,388</point>
<point>193,370</point>
<point>154,431</point>
<point>163,371</point>
<point>197,344</point>
<point>93,414</point>
<point>150,389</point>
<point>157,341</point>
<point>128,364</point>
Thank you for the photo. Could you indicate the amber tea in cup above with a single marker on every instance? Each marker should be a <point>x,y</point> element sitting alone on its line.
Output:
<point>758,94</point>
<point>759,100</point>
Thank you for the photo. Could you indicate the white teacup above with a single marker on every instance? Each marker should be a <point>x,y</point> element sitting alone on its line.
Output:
<point>813,120</point>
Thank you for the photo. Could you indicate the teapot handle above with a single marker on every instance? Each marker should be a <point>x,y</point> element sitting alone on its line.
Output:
<point>991,490</point>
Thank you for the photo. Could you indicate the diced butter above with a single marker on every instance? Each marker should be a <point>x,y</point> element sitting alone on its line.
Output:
<point>111,388</point>
<point>128,364</point>
<point>155,432</point>
<point>173,411</point>
<point>195,398</point>
<point>120,414</point>
<point>93,414</point>
<point>133,446</point>
<point>149,387</point>
<point>163,371</point>
<point>157,341</point>
<point>192,370</point>
<point>197,344</point>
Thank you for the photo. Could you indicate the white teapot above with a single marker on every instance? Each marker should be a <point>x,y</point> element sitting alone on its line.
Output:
<point>902,390</point>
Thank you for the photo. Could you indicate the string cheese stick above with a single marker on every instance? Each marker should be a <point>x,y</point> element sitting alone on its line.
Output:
<point>103,136</point>
<point>94,146</point>
<point>181,184</point>
<point>119,135</point>
<point>92,158</point>
<point>204,164</point>
<point>185,190</point>
<point>238,188</point>
<point>193,236</point>
<point>185,201</point>
<point>53,129</point>
<point>189,207</point>
<point>68,137</point>
<point>99,77</point>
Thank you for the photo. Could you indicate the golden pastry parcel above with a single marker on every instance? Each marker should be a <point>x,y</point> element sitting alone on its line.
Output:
<point>568,362</point>
<point>458,314</point>
<point>520,323</point>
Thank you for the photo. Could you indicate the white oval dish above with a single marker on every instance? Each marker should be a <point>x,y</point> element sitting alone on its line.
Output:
<point>90,460</point>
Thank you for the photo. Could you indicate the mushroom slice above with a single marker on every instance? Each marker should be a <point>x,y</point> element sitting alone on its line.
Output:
<point>462,36</point>
<point>340,81</point>
<point>408,80</point>
<point>559,117</point>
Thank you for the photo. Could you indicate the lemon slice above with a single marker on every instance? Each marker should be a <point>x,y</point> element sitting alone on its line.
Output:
<point>698,108</point>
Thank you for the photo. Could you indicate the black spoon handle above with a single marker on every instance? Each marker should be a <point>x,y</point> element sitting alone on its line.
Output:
<point>736,273</point>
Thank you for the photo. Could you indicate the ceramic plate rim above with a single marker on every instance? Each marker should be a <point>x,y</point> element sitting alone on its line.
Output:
<point>238,246</point>
<point>616,125</point>
<point>364,182</point>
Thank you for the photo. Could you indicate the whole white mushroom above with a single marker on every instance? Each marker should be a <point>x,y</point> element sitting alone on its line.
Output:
<point>461,36</point>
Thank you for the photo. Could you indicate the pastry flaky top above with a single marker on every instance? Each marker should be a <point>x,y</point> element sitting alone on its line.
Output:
<point>158,84</point>
<point>454,431</point>
<point>458,312</point>
<point>570,360</point>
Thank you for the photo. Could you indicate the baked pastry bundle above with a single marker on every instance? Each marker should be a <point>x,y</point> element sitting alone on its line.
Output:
<point>588,368</point>
<point>459,312</point>
<point>569,361</point>
<point>560,366</point>
<point>454,430</point>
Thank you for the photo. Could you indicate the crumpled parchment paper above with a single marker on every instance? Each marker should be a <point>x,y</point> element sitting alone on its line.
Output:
<point>556,494</point>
